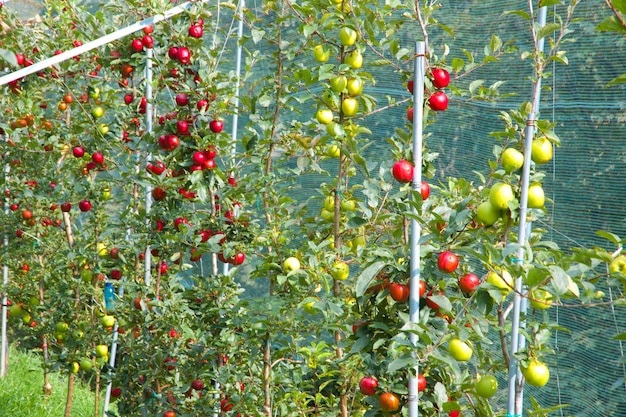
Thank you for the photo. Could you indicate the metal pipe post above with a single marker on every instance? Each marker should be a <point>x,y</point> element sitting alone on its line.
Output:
<point>515,398</point>
<point>414,300</point>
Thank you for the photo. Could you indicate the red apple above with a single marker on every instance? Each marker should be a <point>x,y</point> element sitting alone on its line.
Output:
<point>440,77</point>
<point>78,151</point>
<point>159,194</point>
<point>66,207</point>
<point>438,101</point>
<point>409,86</point>
<point>128,99</point>
<point>116,274</point>
<point>97,157</point>
<point>172,53</point>
<point>84,205</point>
<point>184,55</point>
<point>198,157</point>
<point>368,385</point>
<point>403,171</point>
<point>425,190</point>
<point>399,292</point>
<point>421,383</point>
<point>447,262</point>
<point>182,99</point>
<point>156,168</point>
<point>195,31</point>
<point>216,126</point>
<point>197,384</point>
<point>137,45</point>
<point>468,283</point>
<point>147,41</point>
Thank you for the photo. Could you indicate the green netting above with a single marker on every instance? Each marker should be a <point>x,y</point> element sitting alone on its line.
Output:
<point>586,180</point>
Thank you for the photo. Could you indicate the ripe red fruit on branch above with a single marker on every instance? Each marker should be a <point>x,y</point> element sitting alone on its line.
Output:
<point>388,402</point>
<point>409,86</point>
<point>438,101</point>
<point>421,383</point>
<point>197,384</point>
<point>147,41</point>
<point>159,194</point>
<point>182,99</point>
<point>468,283</point>
<point>137,45</point>
<point>183,55</point>
<point>97,157</point>
<point>155,168</point>
<point>84,205</point>
<point>440,77</point>
<point>403,171</point>
<point>66,207</point>
<point>368,385</point>
<point>172,53</point>
<point>78,151</point>
<point>195,31</point>
<point>447,262</point>
<point>399,292</point>
<point>425,190</point>
<point>216,126</point>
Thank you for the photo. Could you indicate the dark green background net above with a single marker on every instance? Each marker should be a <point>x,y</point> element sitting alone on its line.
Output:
<point>586,179</point>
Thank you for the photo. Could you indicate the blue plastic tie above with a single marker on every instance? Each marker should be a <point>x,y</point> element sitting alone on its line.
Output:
<point>519,261</point>
<point>513,415</point>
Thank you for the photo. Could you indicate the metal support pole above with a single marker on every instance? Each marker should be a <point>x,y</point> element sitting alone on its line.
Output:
<point>4,352</point>
<point>515,398</point>
<point>414,300</point>
<point>46,63</point>
<point>149,130</point>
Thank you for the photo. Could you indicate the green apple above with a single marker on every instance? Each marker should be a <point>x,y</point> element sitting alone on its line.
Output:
<point>330,99</point>
<point>329,203</point>
<point>102,351</point>
<point>618,265</point>
<point>86,364</point>
<point>291,264</point>
<point>86,275</point>
<point>74,367</point>
<point>512,159</point>
<point>333,151</point>
<point>78,334</point>
<point>354,59</point>
<point>103,128</point>
<point>94,92</point>
<point>459,350</point>
<point>541,150</point>
<point>15,310</point>
<point>347,36</point>
<point>309,307</point>
<point>320,54</point>
<point>60,337</point>
<point>328,215</point>
<point>355,86</point>
<point>348,205</point>
<point>350,106</point>
<point>340,271</point>
<point>338,83</point>
<point>501,195</point>
<point>62,327</point>
<point>107,321</point>
<point>540,299</point>
<point>536,196</point>
<point>26,318</point>
<point>487,214</point>
<point>502,280</point>
<point>536,373</point>
<point>97,112</point>
<point>324,116</point>
<point>486,386</point>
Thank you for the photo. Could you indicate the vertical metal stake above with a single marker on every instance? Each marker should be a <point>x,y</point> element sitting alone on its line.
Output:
<point>414,302</point>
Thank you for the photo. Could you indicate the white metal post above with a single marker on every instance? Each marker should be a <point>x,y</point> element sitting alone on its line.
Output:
<point>4,352</point>
<point>414,299</point>
<point>515,397</point>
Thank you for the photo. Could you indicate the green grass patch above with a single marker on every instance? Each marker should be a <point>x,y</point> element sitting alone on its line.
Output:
<point>21,390</point>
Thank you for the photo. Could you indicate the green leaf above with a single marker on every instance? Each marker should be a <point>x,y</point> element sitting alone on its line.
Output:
<point>620,5</point>
<point>366,277</point>
<point>611,24</point>
<point>400,363</point>
<point>457,64</point>
<point>620,79</point>
<point>611,237</point>
<point>257,35</point>
<point>621,336</point>
<point>548,29</point>
<point>543,3</point>
<point>522,13</point>
<point>560,279</point>
<point>9,57</point>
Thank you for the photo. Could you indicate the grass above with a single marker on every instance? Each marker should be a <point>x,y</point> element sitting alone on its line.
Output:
<point>21,392</point>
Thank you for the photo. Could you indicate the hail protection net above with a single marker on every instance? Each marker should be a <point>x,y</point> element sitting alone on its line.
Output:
<point>586,181</point>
